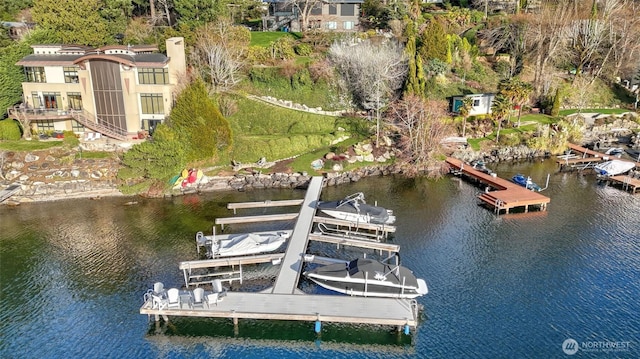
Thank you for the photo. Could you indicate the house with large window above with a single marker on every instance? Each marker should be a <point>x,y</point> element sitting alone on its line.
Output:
<point>331,15</point>
<point>114,90</point>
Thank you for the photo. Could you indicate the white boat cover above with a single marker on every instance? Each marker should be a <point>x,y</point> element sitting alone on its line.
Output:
<point>613,167</point>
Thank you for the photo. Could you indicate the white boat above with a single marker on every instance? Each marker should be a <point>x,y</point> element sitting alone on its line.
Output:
<point>354,208</point>
<point>369,278</point>
<point>242,244</point>
<point>613,167</point>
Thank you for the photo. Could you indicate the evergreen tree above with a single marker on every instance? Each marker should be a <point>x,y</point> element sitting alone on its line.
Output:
<point>82,22</point>
<point>433,42</point>
<point>197,121</point>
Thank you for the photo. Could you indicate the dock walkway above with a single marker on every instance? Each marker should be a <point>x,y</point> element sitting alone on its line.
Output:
<point>329,308</point>
<point>292,262</point>
<point>506,195</point>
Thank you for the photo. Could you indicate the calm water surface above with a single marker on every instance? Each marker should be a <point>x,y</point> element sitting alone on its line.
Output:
<point>72,275</point>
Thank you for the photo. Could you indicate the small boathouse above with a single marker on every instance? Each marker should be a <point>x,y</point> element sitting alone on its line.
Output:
<point>284,301</point>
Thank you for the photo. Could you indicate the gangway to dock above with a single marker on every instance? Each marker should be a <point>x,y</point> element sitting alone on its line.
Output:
<point>292,262</point>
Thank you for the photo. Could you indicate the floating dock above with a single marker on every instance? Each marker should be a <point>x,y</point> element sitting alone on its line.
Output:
<point>284,301</point>
<point>504,195</point>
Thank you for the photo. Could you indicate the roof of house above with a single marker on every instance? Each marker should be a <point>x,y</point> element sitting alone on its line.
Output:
<point>69,55</point>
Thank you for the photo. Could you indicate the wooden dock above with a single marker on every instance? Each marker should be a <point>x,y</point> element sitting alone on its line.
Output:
<point>192,275</point>
<point>264,204</point>
<point>627,183</point>
<point>256,219</point>
<point>587,158</point>
<point>284,301</point>
<point>310,308</point>
<point>505,195</point>
<point>289,275</point>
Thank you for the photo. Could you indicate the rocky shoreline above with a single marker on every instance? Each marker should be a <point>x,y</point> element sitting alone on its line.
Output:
<point>56,174</point>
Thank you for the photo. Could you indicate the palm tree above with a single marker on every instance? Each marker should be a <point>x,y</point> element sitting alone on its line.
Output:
<point>517,92</point>
<point>500,108</point>
<point>464,110</point>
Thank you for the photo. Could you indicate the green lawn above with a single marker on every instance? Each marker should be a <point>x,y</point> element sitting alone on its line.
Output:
<point>261,38</point>
<point>33,145</point>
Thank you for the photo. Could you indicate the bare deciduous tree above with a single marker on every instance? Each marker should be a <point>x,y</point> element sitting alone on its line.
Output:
<point>219,52</point>
<point>546,36</point>
<point>624,37</point>
<point>374,73</point>
<point>419,125</point>
<point>304,8</point>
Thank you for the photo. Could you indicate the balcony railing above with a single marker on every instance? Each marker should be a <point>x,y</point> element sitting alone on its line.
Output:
<point>82,116</point>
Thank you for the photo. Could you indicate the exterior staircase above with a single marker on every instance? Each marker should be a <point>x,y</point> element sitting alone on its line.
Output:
<point>89,121</point>
<point>282,20</point>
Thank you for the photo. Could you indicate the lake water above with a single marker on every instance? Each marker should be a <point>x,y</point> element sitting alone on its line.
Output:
<point>73,273</point>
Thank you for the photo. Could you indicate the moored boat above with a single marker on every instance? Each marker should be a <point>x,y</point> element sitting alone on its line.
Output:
<point>354,208</point>
<point>481,166</point>
<point>369,278</point>
<point>526,182</point>
<point>241,244</point>
<point>613,167</point>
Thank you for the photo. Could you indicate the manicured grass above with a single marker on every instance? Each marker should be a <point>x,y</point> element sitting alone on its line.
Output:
<point>33,145</point>
<point>273,132</point>
<point>320,94</point>
<point>261,38</point>
<point>94,154</point>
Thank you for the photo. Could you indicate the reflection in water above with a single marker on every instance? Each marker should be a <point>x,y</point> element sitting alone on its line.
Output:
<point>73,273</point>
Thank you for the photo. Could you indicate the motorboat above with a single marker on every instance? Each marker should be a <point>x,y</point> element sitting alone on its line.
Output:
<point>369,278</point>
<point>242,244</point>
<point>354,208</point>
<point>633,153</point>
<point>480,166</point>
<point>615,151</point>
<point>613,167</point>
<point>526,182</point>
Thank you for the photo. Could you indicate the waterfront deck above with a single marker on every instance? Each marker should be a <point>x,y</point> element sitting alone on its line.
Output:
<point>311,308</point>
<point>284,301</point>
<point>501,194</point>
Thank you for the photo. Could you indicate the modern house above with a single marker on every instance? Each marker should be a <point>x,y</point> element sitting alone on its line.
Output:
<point>330,15</point>
<point>481,103</point>
<point>115,90</point>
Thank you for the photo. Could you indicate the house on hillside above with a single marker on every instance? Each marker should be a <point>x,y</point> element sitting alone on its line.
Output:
<point>115,91</point>
<point>481,103</point>
<point>17,29</point>
<point>330,15</point>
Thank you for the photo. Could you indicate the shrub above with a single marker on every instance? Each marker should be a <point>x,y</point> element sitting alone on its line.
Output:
<point>70,139</point>
<point>303,49</point>
<point>9,130</point>
<point>510,139</point>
